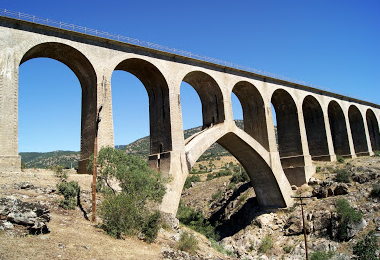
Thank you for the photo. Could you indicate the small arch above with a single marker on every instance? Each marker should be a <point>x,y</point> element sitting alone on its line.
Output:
<point>315,128</point>
<point>357,130</point>
<point>338,129</point>
<point>210,95</point>
<point>86,75</point>
<point>159,108</point>
<point>253,111</point>
<point>288,130</point>
<point>373,130</point>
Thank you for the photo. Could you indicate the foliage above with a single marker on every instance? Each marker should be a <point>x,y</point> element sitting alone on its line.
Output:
<point>221,249</point>
<point>243,198</point>
<point>376,153</point>
<point>347,215</point>
<point>376,190</point>
<point>266,245</point>
<point>70,191</point>
<point>367,247</point>
<point>187,242</point>
<point>239,177</point>
<point>46,160</point>
<point>319,255</point>
<point>23,165</point>
<point>128,212</point>
<point>189,180</point>
<point>196,221</point>
<point>340,159</point>
<point>318,169</point>
<point>217,195</point>
<point>343,175</point>
<point>58,172</point>
<point>218,174</point>
<point>287,249</point>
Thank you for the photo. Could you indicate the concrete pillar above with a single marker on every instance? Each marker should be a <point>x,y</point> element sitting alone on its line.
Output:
<point>349,134</point>
<point>330,143</point>
<point>105,131</point>
<point>9,158</point>
<point>369,145</point>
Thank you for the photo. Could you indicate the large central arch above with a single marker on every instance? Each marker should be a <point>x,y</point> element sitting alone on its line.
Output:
<point>271,185</point>
<point>86,75</point>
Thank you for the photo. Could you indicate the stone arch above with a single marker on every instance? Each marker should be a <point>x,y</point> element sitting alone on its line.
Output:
<point>373,130</point>
<point>210,95</point>
<point>159,109</point>
<point>357,130</point>
<point>288,130</point>
<point>315,128</point>
<point>253,111</point>
<point>86,75</point>
<point>338,129</point>
<point>271,186</point>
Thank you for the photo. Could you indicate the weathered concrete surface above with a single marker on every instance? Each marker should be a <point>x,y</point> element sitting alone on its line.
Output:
<point>312,124</point>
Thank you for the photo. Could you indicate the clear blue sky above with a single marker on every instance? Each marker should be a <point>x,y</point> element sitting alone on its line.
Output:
<point>334,44</point>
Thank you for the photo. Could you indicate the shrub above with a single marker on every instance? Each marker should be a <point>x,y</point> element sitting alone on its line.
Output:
<point>196,221</point>
<point>191,179</point>
<point>376,190</point>
<point>187,242</point>
<point>367,247</point>
<point>340,159</point>
<point>127,212</point>
<point>23,165</point>
<point>343,175</point>
<point>58,172</point>
<point>287,249</point>
<point>376,153</point>
<point>318,255</point>
<point>221,249</point>
<point>266,245</point>
<point>239,177</point>
<point>217,195</point>
<point>318,169</point>
<point>346,215</point>
<point>70,191</point>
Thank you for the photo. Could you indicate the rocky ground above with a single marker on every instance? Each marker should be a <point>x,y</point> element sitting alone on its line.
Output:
<point>33,226</point>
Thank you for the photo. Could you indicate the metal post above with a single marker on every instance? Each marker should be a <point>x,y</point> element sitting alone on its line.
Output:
<point>303,221</point>
<point>94,174</point>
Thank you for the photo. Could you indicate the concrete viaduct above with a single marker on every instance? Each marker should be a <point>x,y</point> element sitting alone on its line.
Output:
<point>312,124</point>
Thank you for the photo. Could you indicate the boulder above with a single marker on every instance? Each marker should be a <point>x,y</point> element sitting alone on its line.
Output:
<point>32,215</point>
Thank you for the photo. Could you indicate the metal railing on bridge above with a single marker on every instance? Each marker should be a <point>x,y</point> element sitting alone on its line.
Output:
<point>133,41</point>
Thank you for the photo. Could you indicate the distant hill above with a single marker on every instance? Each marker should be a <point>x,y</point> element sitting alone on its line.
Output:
<point>139,147</point>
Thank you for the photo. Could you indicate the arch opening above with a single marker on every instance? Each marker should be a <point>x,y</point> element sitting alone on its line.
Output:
<point>253,108</point>
<point>373,129</point>
<point>315,129</point>
<point>210,95</point>
<point>159,110</point>
<point>338,130</point>
<point>288,131</point>
<point>86,75</point>
<point>357,131</point>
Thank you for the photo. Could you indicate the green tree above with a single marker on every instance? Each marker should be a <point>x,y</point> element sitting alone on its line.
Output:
<point>133,209</point>
<point>366,248</point>
<point>347,215</point>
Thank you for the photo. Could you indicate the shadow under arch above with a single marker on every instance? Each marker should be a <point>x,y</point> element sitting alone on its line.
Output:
<point>159,109</point>
<point>210,95</point>
<point>86,75</point>
<point>338,129</point>
<point>271,190</point>
<point>373,130</point>
<point>253,111</point>
<point>315,129</point>
<point>357,131</point>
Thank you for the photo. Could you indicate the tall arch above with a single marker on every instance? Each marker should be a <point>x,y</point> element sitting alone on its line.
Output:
<point>253,111</point>
<point>159,108</point>
<point>357,130</point>
<point>288,130</point>
<point>315,128</point>
<point>210,95</point>
<point>338,129</point>
<point>272,189</point>
<point>85,72</point>
<point>373,129</point>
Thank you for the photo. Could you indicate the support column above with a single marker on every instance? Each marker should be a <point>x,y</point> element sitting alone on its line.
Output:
<point>349,134</point>
<point>9,158</point>
<point>369,145</point>
<point>105,132</point>
<point>330,142</point>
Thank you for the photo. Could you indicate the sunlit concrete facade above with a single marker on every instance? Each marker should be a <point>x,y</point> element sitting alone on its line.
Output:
<point>311,124</point>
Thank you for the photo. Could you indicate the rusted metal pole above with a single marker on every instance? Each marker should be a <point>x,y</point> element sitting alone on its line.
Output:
<point>94,173</point>
<point>303,222</point>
